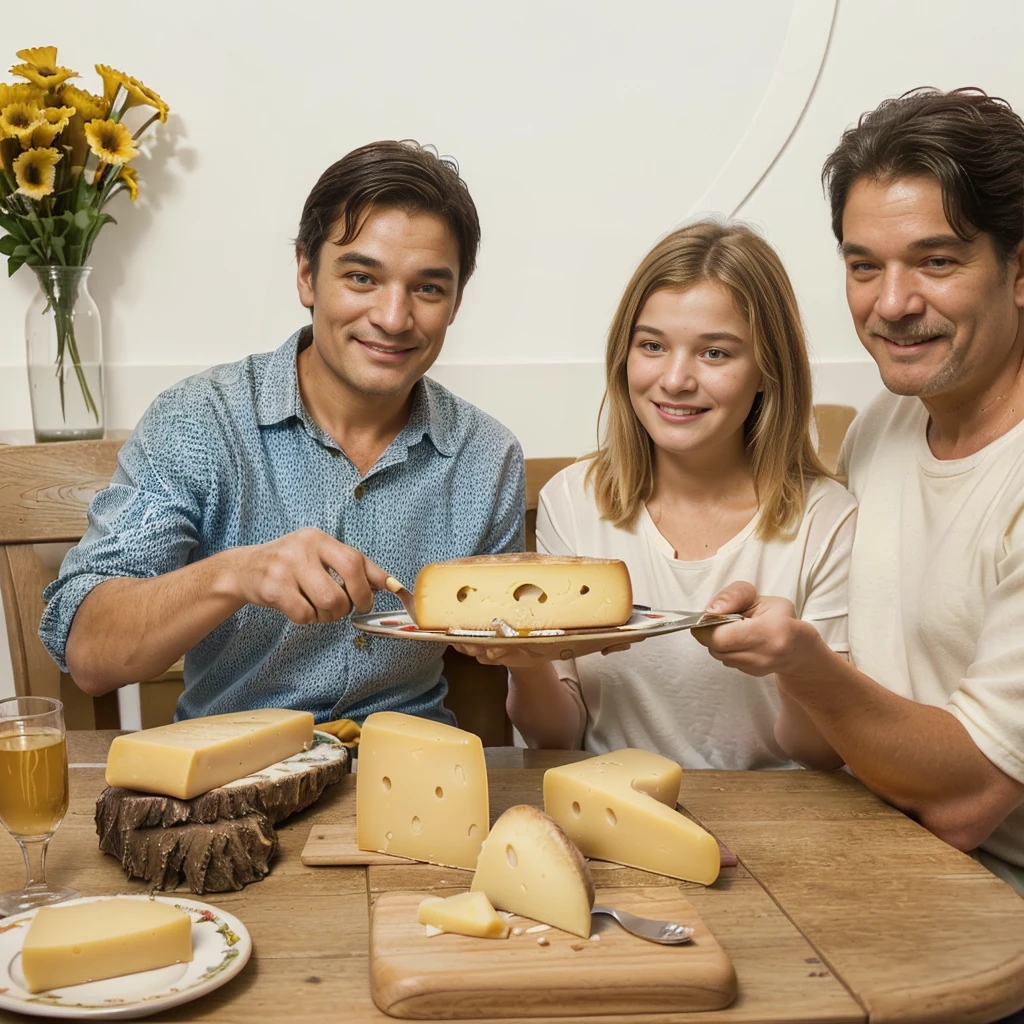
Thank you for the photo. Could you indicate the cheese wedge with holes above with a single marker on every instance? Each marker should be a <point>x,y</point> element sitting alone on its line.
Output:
<point>421,790</point>
<point>620,807</point>
<point>466,913</point>
<point>527,590</point>
<point>529,867</point>
<point>191,757</point>
<point>90,941</point>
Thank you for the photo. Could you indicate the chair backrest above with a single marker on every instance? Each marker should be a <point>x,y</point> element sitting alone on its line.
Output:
<point>832,422</point>
<point>45,490</point>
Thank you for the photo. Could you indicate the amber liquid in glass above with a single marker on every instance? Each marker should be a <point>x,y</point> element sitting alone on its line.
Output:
<point>33,781</point>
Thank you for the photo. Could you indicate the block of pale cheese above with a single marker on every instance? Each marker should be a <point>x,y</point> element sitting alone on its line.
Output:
<point>421,790</point>
<point>190,757</point>
<point>620,807</point>
<point>528,866</point>
<point>84,942</point>
<point>527,590</point>
<point>466,913</point>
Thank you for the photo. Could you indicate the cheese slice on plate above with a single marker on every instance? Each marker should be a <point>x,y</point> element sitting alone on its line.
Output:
<point>191,757</point>
<point>421,790</point>
<point>529,867</point>
<point>620,807</point>
<point>103,939</point>
<point>527,590</point>
<point>466,913</point>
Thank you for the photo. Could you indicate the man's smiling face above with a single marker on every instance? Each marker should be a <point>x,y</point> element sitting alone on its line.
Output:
<point>937,314</point>
<point>383,302</point>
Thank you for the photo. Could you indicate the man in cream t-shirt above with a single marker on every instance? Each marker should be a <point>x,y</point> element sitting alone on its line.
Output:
<point>927,198</point>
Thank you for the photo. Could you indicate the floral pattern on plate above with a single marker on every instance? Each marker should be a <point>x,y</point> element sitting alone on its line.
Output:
<point>220,949</point>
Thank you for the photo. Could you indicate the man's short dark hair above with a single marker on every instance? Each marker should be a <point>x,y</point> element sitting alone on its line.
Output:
<point>398,175</point>
<point>972,143</point>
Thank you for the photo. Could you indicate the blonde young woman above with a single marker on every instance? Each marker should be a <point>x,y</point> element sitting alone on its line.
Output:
<point>706,474</point>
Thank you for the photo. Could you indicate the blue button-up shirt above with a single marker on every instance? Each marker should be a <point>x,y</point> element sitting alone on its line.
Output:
<point>231,457</point>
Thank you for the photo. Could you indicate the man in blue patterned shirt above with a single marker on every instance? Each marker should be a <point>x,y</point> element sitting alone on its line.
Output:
<point>248,492</point>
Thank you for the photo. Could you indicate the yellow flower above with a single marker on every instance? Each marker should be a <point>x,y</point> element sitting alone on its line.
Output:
<point>39,56</point>
<point>56,120</point>
<point>138,94</point>
<point>35,170</point>
<point>21,92</point>
<point>111,141</point>
<point>20,120</point>
<point>85,103</point>
<point>131,179</point>
<point>45,78</point>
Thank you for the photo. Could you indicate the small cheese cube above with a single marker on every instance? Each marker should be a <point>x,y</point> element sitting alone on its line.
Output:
<point>90,941</point>
<point>620,807</point>
<point>421,790</point>
<point>467,913</point>
<point>529,867</point>
<point>527,590</point>
<point>190,757</point>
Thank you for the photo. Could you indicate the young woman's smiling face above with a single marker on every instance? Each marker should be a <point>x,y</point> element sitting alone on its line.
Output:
<point>691,370</point>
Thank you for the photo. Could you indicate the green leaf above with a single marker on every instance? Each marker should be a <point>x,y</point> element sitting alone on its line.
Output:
<point>83,217</point>
<point>58,244</point>
<point>8,244</point>
<point>13,264</point>
<point>22,251</point>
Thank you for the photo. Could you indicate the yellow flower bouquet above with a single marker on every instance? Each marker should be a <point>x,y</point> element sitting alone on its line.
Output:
<point>64,154</point>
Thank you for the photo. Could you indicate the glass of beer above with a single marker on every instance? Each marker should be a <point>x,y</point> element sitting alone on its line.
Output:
<point>33,792</point>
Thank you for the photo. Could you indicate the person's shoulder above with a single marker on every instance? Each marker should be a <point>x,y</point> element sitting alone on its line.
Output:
<point>828,497</point>
<point>463,426</point>
<point>571,489</point>
<point>226,385</point>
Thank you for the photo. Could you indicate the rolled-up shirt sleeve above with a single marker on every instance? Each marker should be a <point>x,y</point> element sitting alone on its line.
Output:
<point>144,524</point>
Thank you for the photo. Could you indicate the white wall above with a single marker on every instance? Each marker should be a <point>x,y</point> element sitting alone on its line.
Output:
<point>585,130</point>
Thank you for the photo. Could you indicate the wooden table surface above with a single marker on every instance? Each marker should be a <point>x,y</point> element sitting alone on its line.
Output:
<point>840,910</point>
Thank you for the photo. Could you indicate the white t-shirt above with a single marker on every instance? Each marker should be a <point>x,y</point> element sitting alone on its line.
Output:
<point>937,581</point>
<point>667,694</point>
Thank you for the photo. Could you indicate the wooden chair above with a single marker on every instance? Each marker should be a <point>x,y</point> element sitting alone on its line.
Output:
<point>832,422</point>
<point>44,493</point>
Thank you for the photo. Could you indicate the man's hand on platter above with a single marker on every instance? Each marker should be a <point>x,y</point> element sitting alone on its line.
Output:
<point>308,576</point>
<point>535,655</point>
<point>769,640</point>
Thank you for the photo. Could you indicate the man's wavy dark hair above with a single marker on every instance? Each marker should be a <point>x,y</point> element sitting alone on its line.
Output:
<point>399,175</point>
<point>972,143</point>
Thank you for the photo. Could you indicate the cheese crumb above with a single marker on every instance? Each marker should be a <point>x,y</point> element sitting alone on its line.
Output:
<point>537,928</point>
<point>432,930</point>
<point>542,941</point>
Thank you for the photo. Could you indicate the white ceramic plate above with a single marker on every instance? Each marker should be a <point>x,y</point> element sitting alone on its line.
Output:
<point>220,948</point>
<point>642,624</point>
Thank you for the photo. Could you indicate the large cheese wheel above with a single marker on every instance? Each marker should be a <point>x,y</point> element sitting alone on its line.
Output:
<point>527,590</point>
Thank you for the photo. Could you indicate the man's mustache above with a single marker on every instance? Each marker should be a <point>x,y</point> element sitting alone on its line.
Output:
<point>911,329</point>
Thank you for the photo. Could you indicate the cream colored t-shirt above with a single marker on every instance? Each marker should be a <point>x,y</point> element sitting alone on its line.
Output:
<point>667,694</point>
<point>937,581</point>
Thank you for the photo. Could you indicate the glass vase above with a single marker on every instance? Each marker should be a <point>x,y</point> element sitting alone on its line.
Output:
<point>65,356</point>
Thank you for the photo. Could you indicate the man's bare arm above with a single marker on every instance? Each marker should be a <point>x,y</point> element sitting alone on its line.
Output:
<point>918,757</point>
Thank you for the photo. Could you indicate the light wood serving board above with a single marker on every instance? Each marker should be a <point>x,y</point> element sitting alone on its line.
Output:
<point>336,844</point>
<point>452,976</point>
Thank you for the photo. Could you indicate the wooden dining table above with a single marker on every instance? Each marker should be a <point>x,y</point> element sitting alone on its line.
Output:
<point>840,908</point>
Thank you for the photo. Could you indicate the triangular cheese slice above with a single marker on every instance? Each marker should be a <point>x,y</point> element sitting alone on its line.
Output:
<point>528,866</point>
<point>620,807</point>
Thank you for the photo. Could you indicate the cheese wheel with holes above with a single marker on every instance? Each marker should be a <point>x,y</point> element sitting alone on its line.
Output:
<point>527,590</point>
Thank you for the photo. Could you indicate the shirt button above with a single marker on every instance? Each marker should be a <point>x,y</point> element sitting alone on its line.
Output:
<point>359,492</point>
<point>361,640</point>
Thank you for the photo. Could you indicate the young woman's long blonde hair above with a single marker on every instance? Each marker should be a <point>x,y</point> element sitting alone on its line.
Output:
<point>777,431</point>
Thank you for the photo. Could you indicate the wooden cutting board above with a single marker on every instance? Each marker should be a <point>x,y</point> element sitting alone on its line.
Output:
<point>336,844</point>
<point>457,976</point>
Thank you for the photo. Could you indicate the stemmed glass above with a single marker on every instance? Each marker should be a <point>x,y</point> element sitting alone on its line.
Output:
<point>33,792</point>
